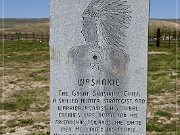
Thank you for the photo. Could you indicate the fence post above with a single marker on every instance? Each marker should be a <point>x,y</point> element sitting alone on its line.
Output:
<point>34,37</point>
<point>169,38</point>
<point>11,36</point>
<point>48,38</point>
<point>26,37</point>
<point>42,38</point>
<point>158,37</point>
<point>18,34</point>
<point>179,39</point>
<point>4,37</point>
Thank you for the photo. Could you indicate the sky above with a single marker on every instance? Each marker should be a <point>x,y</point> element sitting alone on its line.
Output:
<point>162,9</point>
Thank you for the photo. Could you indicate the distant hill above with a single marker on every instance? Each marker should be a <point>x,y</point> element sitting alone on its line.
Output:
<point>25,25</point>
<point>166,26</point>
<point>165,23</point>
<point>42,25</point>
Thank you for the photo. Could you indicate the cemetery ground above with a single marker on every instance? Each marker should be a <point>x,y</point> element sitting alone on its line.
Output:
<point>24,99</point>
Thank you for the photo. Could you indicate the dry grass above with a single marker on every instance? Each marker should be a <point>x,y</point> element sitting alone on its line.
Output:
<point>24,105</point>
<point>25,25</point>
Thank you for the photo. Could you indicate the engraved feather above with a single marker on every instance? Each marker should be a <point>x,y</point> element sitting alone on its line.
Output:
<point>113,18</point>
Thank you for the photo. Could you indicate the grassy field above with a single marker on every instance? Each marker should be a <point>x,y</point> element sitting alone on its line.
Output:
<point>24,104</point>
<point>163,86</point>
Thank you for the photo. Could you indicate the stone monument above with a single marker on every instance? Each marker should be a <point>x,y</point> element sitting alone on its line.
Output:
<point>98,59</point>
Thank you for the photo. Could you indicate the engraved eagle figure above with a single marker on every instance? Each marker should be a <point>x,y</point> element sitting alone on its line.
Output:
<point>104,26</point>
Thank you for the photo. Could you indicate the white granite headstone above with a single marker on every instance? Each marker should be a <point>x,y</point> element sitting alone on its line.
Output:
<point>98,67</point>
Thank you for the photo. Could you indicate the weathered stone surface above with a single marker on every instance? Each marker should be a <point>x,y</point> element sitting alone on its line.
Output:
<point>98,67</point>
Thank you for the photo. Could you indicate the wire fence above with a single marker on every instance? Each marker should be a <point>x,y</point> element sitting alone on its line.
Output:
<point>158,38</point>
<point>164,37</point>
<point>40,37</point>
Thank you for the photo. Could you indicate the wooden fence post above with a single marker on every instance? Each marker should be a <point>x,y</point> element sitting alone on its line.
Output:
<point>26,37</point>
<point>11,37</point>
<point>42,37</point>
<point>169,38</point>
<point>34,37</point>
<point>18,34</point>
<point>4,37</point>
<point>158,37</point>
<point>179,38</point>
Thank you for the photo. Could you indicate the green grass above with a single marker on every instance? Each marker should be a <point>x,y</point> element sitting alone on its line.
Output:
<point>39,126</point>
<point>24,53</point>
<point>23,99</point>
<point>154,127</point>
<point>39,76</point>
<point>178,130</point>
<point>26,121</point>
<point>12,130</point>
<point>162,69</point>
<point>163,114</point>
<point>22,122</point>
<point>166,128</point>
<point>162,73</point>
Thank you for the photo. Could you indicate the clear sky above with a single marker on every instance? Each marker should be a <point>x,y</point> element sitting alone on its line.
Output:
<point>25,8</point>
<point>165,9</point>
<point>40,8</point>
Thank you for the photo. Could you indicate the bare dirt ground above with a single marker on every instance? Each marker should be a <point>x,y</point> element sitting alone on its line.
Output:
<point>32,113</point>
